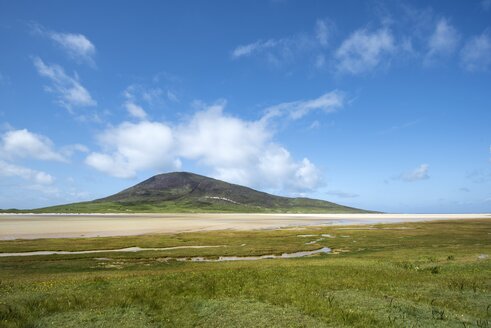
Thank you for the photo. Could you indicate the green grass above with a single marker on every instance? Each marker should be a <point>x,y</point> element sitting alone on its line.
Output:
<point>296,206</point>
<point>426,275</point>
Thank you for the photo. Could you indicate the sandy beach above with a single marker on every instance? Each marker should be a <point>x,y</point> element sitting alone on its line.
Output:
<point>33,226</point>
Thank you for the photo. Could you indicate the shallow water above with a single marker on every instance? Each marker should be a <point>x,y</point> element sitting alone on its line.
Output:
<point>323,250</point>
<point>124,250</point>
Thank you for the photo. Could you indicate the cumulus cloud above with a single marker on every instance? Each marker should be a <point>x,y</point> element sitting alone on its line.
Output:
<point>364,50</point>
<point>328,102</point>
<point>443,41</point>
<point>220,140</point>
<point>70,91</point>
<point>38,177</point>
<point>25,144</point>
<point>76,45</point>
<point>232,149</point>
<point>131,147</point>
<point>476,54</point>
<point>419,173</point>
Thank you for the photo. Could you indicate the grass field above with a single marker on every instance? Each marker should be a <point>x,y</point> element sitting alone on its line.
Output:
<point>433,274</point>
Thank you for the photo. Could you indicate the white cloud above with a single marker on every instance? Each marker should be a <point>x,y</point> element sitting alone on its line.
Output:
<point>151,97</point>
<point>419,173</point>
<point>131,147</point>
<point>25,144</point>
<point>70,92</point>
<point>322,31</point>
<point>217,139</point>
<point>243,152</point>
<point>76,45</point>
<point>280,51</point>
<point>476,54</point>
<point>135,110</point>
<point>363,50</point>
<point>249,49</point>
<point>232,149</point>
<point>277,52</point>
<point>328,102</point>
<point>443,41</point>
<point>11,170</point>
<point>134,92</point>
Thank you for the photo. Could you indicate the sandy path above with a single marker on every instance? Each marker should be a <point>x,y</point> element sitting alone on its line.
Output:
<point>32,226</point>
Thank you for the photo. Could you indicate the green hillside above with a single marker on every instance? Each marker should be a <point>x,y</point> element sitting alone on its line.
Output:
<point>188,192</point>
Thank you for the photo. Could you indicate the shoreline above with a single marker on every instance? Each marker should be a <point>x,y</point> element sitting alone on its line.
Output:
<point>36,226</point>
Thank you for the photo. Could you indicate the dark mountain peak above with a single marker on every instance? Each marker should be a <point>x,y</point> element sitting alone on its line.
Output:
<point>185,190</point>
<point>171,180</point>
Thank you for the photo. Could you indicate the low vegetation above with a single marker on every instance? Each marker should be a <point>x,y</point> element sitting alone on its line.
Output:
<point>189,206</point>
<point>434,274</point>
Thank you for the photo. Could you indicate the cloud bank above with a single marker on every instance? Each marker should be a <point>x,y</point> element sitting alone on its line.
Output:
<point>232,149</point>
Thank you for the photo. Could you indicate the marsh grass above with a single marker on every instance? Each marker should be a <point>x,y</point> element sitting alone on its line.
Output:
<point>427,276</point>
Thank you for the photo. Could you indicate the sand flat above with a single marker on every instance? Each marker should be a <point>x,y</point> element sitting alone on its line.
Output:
<point>33,226</point>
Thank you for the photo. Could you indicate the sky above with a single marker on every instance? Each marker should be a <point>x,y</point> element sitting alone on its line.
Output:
<point>382,105</point>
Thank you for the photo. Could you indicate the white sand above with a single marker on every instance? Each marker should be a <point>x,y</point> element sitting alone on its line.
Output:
<point>32,226</point>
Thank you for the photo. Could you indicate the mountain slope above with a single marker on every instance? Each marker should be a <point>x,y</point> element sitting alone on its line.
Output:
<point>188,192</point>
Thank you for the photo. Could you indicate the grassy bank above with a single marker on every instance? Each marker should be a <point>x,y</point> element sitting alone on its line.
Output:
<point>435,274</point>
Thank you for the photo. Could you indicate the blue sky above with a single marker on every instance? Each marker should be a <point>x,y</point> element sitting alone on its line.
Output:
<point>376,104</point>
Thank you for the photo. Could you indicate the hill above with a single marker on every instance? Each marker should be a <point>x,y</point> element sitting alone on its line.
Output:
<point>188,192</point>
